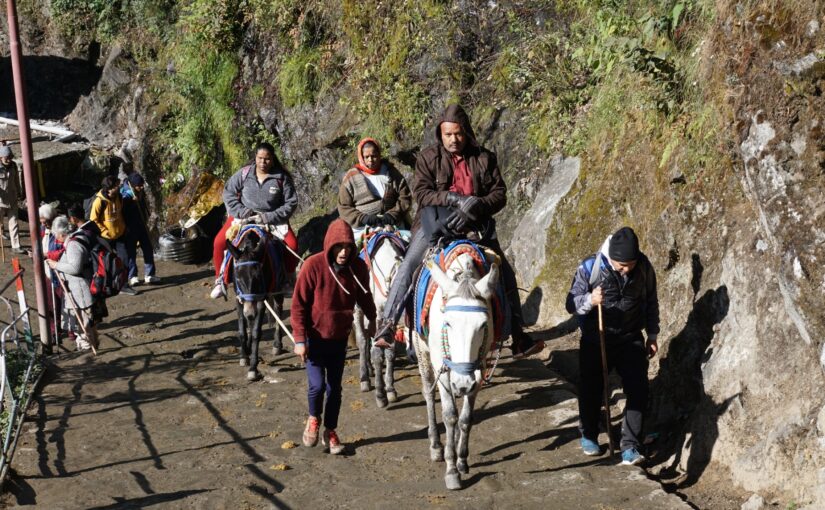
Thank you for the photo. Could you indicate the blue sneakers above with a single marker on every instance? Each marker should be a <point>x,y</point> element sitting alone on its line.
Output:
<point>631,457</point>
<point>590,447</point>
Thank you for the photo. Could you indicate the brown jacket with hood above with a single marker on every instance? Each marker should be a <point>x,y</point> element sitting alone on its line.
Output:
<point>434,170</point>
<point>323,300</point>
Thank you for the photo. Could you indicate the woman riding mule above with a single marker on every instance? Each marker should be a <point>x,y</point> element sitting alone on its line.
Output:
<point>261,193</point>
<point>374,198</point>
<point>373,193</point>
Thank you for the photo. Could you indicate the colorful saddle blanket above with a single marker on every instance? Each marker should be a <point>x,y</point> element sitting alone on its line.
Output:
<point>273,261</point>
<point>425,288</point>
<point>375,239</point>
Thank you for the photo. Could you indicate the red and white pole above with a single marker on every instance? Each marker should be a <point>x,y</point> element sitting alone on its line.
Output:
<point>32,197</point>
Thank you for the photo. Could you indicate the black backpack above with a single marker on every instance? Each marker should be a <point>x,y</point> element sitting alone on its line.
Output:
<point>87,206</point>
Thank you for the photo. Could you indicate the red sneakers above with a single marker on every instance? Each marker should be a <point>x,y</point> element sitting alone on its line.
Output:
<point>311,431</point>
<point>331,440</point>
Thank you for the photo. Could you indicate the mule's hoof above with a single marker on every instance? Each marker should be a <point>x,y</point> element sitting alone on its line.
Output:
<point>381,401</point>
<point>365,386</point>
<point>437,454</point>
<point>243,362</point>
<point>277,351</point>
<point>253,375</point>
<point>392,396</point>
<point>463,467</point>
<point>453,481</point>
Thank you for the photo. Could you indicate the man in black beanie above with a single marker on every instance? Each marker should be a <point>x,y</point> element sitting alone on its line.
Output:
<point>621,279</point>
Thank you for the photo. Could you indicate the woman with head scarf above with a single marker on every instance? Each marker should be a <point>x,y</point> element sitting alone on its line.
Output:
<point>373,193</point>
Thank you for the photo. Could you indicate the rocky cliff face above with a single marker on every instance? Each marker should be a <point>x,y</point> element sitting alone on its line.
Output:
<point>700,127</point>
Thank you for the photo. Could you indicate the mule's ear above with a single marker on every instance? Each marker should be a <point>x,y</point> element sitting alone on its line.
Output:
<point>447,285</point>
<point>487,285</point>
<point>233,250</point>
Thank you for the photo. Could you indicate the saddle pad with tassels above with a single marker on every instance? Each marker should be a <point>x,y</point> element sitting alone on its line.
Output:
<point>273,262</point>
<point>374,240</point>
<point>425,288</point>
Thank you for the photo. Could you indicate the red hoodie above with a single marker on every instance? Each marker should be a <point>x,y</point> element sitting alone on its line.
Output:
<point>321,308</point>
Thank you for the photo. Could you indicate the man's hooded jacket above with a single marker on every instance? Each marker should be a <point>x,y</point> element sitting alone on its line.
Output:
<point>434,170</point>
<point>325,295</point>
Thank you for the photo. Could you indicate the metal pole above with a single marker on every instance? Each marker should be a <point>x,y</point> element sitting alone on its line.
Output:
<point>32,196</point>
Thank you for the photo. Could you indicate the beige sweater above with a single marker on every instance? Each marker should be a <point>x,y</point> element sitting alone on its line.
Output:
<point>355,198</point>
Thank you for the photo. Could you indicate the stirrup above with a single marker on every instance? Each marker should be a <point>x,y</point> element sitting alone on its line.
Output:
<point>384,336</point>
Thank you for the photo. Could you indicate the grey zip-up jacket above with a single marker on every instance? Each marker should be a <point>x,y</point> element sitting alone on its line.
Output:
<point>275,198</point>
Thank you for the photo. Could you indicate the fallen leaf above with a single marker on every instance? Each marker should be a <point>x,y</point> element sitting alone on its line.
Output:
<point>357,405</point>
<point>279,467</point>
<point>288,445</point>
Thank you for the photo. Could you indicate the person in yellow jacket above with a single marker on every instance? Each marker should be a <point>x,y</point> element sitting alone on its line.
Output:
<point>107,214</point>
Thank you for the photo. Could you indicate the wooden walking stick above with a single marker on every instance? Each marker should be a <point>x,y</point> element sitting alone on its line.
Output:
<point>75,309</point>
<point>283,326</point>
<point>605,393</point>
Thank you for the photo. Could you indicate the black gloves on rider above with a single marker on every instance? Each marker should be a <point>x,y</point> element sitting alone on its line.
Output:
<point>388,219</point>
<point>456,223</point>
<point>370,220</point>
<point>468,205</point>
<point>466,211</point>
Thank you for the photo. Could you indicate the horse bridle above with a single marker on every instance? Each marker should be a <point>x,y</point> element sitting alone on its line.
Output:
<point>465,368</point>
<point>242,296</point>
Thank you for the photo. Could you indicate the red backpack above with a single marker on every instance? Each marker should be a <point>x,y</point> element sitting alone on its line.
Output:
<point>108,270</point>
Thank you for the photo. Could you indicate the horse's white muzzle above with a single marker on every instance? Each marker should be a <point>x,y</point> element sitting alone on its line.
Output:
<point>462,385</point>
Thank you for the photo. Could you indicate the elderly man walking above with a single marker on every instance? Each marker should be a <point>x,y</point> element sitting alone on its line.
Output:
<point>9,195</point>
<point>620,280</point>
<point>458,187</point>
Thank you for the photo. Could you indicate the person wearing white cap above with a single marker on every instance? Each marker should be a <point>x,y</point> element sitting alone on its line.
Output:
<point>9,195</point>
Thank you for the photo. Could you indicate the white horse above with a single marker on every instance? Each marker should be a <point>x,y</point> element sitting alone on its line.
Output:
<point>383,266</point>
<point>460,334</point>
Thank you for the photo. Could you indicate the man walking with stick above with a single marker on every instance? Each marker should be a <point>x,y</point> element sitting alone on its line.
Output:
<point>620,282</point>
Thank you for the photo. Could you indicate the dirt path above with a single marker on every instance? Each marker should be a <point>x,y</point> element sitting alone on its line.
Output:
<point>164,417</point>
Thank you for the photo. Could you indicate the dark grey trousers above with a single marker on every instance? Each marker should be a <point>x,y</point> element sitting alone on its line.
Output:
<point>629,358</point>
<point>431,230</point>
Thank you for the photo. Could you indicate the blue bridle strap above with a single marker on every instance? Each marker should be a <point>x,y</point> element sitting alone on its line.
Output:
<point>466,368</point>
<point>248,263</point>
<point>465,308</point>
<point>241,295</point>
<point>249,297</point>
<point>460,368</point>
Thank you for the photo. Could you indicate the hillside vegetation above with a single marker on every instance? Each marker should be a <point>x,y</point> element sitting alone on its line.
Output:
<point>697,122</point>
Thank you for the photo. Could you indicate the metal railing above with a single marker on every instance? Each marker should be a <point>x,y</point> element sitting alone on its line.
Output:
<point>16,391</point>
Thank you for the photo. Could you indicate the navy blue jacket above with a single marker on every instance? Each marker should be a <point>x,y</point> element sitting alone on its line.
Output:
<point>630,304</point>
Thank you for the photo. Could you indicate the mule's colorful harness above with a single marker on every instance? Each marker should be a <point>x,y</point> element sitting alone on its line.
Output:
<point>272,258</point>
<point>465,368</point>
